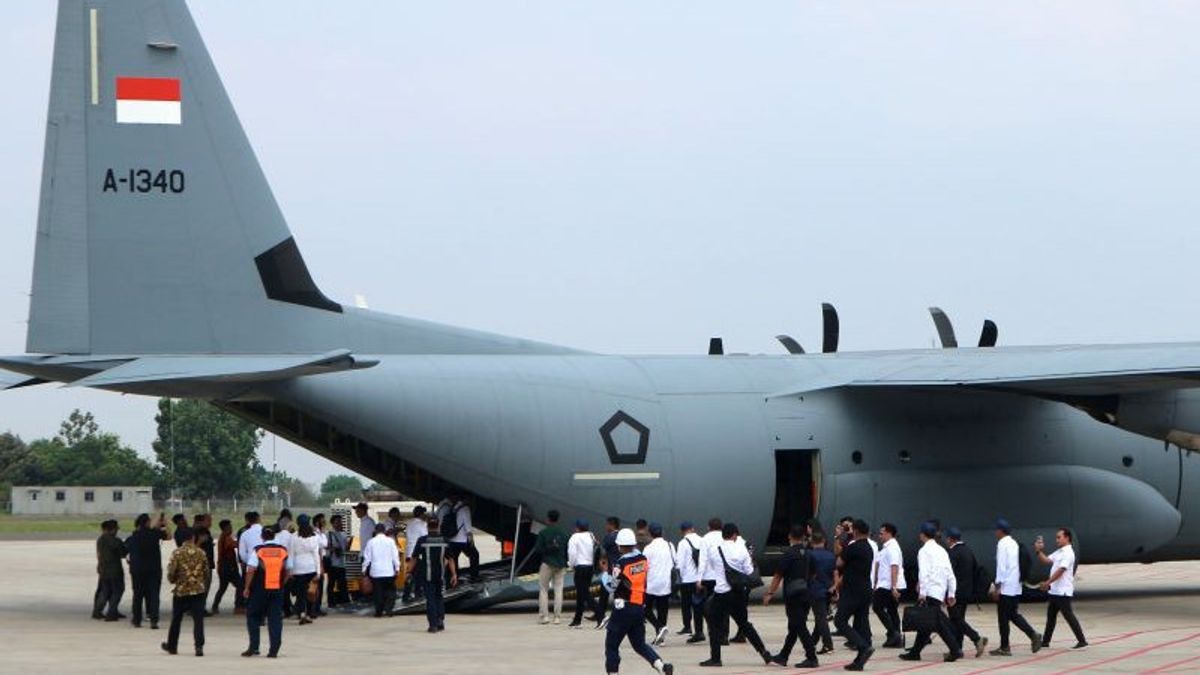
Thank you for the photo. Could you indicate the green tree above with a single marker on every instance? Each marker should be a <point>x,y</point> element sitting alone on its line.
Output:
<point>341,486</point>
<point>80,455</point>
<point>215,452</point>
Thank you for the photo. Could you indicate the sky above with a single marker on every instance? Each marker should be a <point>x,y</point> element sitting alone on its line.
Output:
<point>633,178</point>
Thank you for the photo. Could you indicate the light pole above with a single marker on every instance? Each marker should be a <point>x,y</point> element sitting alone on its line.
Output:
<point>171,439</point>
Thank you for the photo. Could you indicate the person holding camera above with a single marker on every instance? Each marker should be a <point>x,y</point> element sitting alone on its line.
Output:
<point>1060,585</point>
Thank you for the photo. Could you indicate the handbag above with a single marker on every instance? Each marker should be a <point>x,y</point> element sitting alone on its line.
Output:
<point>739,581</point>
<point>365,584</point>
<point>313,587</point>
<point>919,618</point>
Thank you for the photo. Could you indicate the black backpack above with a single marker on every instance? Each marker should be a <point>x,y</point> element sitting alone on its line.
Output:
<point>449,525</point>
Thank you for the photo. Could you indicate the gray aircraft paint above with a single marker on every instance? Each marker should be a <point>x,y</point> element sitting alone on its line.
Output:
<point>161,294</point>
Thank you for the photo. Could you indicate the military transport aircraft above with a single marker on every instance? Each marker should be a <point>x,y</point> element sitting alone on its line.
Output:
<point>164,267</point>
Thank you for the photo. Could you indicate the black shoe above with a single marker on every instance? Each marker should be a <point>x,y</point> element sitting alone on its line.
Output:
<point>724,643</point>
<point>827,649</point>
<point>153,625</point>
<point>121,616</point>
<point>1082,644</point>
<point>199,651</point>
<point>110,619</point>
<point>431,629</point>
<point>853,665</point>
<point>1000,651</point>
<point>272,655</point>
<point>697,638</point>
<point>684,631</point>
<point>98,617</point>
<point>668,669</point>
<point>711,663</point>
<point>848,645</point>
<point>136,624</point>
<point>167,648</point>
<point>1035,643</point>
<point>807,663</point>
<point>766,657</point>
<point>894,642</point>
<point>778,660</point>
<point>441,628</point>
<point>951,657</point>
<point>739,639</point>
<point>909,656</point>
<point>250,652</point>
<point>574,624</point>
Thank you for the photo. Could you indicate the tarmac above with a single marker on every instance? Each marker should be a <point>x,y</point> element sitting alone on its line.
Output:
<point>1138,618</point>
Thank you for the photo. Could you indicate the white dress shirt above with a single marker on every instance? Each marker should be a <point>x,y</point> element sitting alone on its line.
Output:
<point>284,539</point>
<point>381,557</point>
<point>581,549</point>
<point>413,531</point>
<point>462,518</point>
<point>366,530</point>
<point>661,561</point>
<point>710,540</point>
<point>889,555</point>
<point>934,574</point>
<point>305,553</point>
<point>323,540</point>
<point>689,568</point>
<point>1008,566</point>
<point>1063,559</point>
<point>250,539</point>
<point>737,556</point>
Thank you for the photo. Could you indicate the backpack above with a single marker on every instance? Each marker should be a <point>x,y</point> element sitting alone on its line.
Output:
<point>695,553</point>
<point>448,528</point>
<point>1024,560</point>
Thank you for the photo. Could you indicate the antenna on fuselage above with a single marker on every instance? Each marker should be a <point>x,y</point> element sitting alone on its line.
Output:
<point>831,328</point>
<point>789,343</point>
<point>945,329</point>
<point>990,334</point>
<point>716,346</point>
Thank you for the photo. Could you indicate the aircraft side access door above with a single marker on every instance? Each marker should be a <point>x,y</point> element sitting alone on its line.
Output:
<point>797,492</point>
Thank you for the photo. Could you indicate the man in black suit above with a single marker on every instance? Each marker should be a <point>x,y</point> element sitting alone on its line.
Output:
<point>962,559</point>
<point>853,589</point>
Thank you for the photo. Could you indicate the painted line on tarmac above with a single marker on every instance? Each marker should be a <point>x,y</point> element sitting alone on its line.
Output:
<point>1129,655</point>
<point>1173,667</point>
<point>1035,659</point>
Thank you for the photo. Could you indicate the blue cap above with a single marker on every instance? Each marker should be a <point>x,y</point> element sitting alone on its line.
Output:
<point>302,520</point>
<point>655,530</point>
<point>954,533</point>
<point>928,529</point>
<point>581,524</point>
<point>686,525</point>
<point>1003,526</point>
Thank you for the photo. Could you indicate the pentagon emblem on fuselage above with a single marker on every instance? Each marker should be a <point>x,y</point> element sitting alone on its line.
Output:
<point>625,439</point>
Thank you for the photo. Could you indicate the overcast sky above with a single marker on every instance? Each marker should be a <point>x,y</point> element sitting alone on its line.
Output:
<point>634,177</point>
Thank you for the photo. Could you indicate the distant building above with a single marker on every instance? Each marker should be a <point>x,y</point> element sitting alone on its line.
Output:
<point>74,500</point>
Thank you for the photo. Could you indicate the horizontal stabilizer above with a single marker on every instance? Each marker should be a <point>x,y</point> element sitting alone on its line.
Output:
<point>222,369</point>
<point>11,381</point>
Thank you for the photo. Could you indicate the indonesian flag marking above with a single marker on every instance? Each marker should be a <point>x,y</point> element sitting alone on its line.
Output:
<point>148,100</point>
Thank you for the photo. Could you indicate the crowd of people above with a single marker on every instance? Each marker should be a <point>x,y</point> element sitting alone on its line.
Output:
<point>290,568</point>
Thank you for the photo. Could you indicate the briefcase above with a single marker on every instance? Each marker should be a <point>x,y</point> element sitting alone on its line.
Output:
<point>919,618</point>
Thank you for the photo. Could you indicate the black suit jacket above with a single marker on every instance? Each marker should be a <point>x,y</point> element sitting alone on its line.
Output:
<point>962,560</point>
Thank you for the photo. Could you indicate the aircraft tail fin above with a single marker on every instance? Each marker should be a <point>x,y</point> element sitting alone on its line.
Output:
<point>157,231</point>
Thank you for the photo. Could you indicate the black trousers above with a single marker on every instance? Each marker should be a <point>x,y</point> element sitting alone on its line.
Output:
<point>958,619</point>
<point>268,606</point>
<point>435,604</point>
<point>722,608</point>
<point>686,592</point>
<point>797,616</point>
<point>337,586</point>
<point>383,592</point>
<point>943,628</point>
<point>1008,611</point>
<point>108,596</point>
<point>1061,603</point>
<point>229,578</point>
<point>702,610</point>
<point>456,549</point>
<point>187,604</point>
<point>582,577</point>
<point>888,610</point>
<point>820,610</point>
<point>854,608</point>
<point>657,607</point>
<point>146,587</point>
<point>299,584</point>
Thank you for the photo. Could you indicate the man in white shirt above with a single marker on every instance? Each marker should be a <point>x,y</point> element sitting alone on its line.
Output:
<point>711,539</point>
<point>728,603</point>
<point>1061,586</point>
<point>414,529</point>
<point>249,539</point>
<point>1006,590</point>
<point>381,560</point>
<point>366,525</point>
<point>887,582</point>
<point>661,559</point>
<point>936,586</point>
<point>463,540</point>
<point>581,558</point>
<point>687,559</point>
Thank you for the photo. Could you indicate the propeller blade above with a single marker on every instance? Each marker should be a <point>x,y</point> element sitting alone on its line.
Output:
<point>829,316</point>
<point>944,328</point>
<point>990,332</point>
<point>716,346</point>
<point>789,343</point>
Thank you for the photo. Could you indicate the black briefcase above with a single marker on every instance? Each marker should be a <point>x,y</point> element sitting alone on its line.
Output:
<point>919,618</point>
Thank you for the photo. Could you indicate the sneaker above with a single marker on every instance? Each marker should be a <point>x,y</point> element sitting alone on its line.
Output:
<point>710,663</point>
<point>1001,651</point>
<point>980,647</point>
<point>604,622</point>
<point>909,656</point>
<point>1036,643</point>
<point>556,621</point>
<point>696,638</point>
<point>662,636</point>
<point>1080,645</point>
<point>542,621</point>
<point>807,663</point>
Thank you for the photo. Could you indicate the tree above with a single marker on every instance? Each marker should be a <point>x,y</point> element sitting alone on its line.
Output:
<point>215,452</point>
<point>341,486</point>
<point>80,455</point>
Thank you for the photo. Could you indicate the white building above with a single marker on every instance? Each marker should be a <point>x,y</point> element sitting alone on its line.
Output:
<point>73,500</point>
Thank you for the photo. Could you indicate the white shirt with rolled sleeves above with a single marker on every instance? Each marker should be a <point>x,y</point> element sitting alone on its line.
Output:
<point>887,556</point>
<point>689,567</point>
<point>737,556</point>
<point>1063,559</point>
<point>581,548</point>
<point>248,541</point>
<point>381,557</point>
<point>935,575</point>
<point>305,554</point>
<point>413,531</point>
<point>710,540</point>
<point>462,518</point>
<point>1008,566</point>
<point>660,561</point>
<point>366,530</point>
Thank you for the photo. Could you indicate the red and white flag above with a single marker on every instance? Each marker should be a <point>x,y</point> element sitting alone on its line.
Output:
<point>148,100</point>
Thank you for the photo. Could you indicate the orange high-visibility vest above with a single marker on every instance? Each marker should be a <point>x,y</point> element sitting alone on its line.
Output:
<point>632,587</point>
<point>274,561</point>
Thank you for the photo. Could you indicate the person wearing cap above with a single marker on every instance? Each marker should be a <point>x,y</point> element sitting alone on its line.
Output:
<point>962,560</point>
<point>581,558</point>
<point>936,587</point>
<point>626,583</point>
<point>661,558</point>
<point>1060,585</point>
<point>266,579</point>
<point>727,604</point>
<point>1006,590</point>
<point>551,545</point>
<point>414,529</point>
<point>794,573</point>
<point>888,583</point>
<point>687,560</point>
